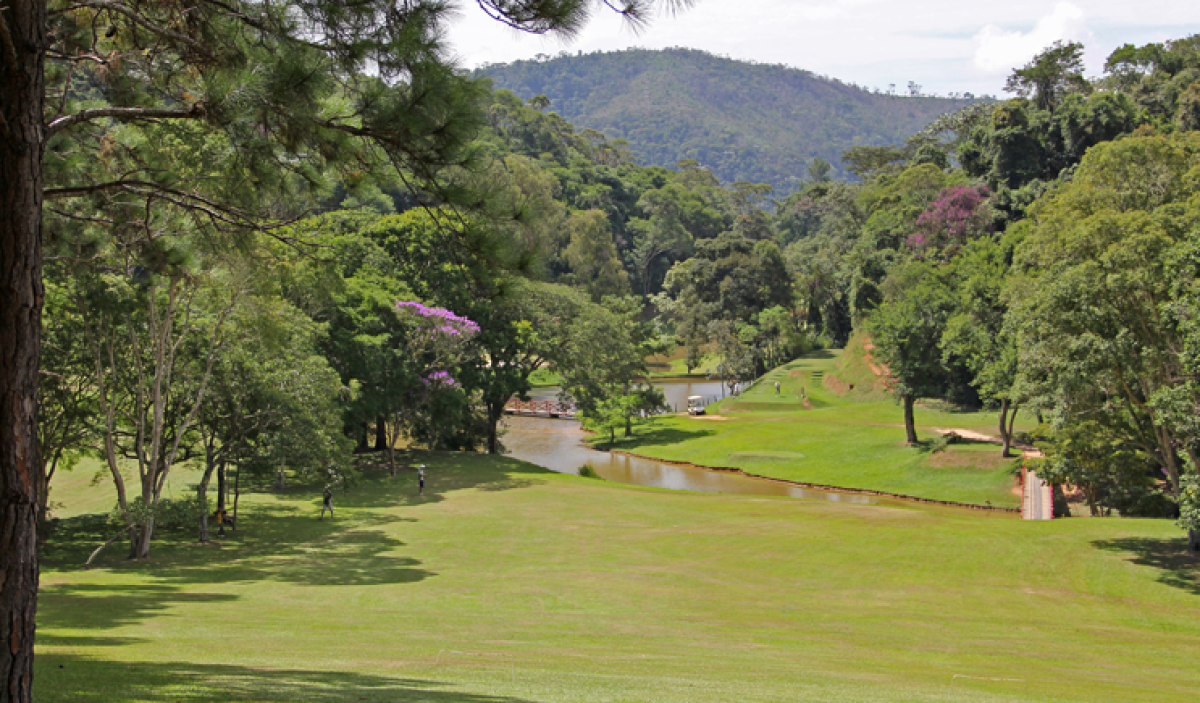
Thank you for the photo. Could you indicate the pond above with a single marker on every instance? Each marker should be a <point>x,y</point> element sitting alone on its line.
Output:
<point>676,391</point>
<point>558,445</point>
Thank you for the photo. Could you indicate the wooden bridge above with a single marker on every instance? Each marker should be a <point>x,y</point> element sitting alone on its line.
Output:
<point>540,408</point>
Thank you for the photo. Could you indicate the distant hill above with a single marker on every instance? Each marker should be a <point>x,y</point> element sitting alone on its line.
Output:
<point>742,121</point>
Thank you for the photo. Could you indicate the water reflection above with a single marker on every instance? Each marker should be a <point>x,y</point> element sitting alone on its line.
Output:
<point>677,392</point>
<point>557,445</point>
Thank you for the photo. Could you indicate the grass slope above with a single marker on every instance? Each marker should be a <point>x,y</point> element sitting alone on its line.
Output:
<point>835,436</point>
<point>506,583</point>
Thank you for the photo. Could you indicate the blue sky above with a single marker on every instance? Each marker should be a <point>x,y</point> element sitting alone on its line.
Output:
<point>943,46</point>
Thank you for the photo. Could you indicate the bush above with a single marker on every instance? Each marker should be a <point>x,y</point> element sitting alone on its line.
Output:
<point>170,514</point>
<point>588,472</point>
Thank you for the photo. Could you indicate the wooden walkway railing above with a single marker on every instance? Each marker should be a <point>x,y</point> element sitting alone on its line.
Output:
<point>541,408</point>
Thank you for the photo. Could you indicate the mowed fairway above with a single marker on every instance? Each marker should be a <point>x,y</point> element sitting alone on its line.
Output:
<point>509,583</point>
<point>853,438</point>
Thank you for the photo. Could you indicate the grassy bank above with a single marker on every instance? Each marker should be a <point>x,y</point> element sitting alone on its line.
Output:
<point>833,424</point>
<point>508,583</point>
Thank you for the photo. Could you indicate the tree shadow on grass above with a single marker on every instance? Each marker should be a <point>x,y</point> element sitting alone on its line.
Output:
<point>285,542</point>
<point>445,472</point>
<point>1169,556</point>
<point>103,607</point>
<point>294,548</point>
<point>279,544</point>
<point>80,680</point>
<point>654,436</point>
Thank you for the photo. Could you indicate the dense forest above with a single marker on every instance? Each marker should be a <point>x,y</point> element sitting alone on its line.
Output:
<point>742,121</point>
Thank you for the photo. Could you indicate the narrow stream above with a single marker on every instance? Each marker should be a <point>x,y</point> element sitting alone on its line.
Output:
<point>558,445</point>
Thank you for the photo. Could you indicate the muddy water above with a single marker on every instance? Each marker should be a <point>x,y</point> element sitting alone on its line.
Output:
<point>557,445</point>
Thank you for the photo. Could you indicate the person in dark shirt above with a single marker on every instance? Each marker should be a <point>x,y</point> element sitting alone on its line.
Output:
<point>327,504</point>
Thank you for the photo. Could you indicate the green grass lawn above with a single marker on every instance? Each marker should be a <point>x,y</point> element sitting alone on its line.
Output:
<point>507,583</point>
<point>674,363</point>
<point>836,435</point>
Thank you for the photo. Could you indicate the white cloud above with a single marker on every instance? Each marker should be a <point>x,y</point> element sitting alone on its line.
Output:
<point>998,51</point>
<point>944,45</point>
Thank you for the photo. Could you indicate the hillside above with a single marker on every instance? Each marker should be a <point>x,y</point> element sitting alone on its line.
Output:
<point>743,121</point>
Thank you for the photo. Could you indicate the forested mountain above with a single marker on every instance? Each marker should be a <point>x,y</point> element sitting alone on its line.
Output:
<point>742,121</point>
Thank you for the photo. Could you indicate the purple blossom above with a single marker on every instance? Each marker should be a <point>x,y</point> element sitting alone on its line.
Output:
<point>957,215</point>
<point>445,321</point>
<point>441,378</point>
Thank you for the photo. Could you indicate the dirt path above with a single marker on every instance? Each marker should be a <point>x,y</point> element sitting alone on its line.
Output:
<point>880,370</point>
<point>1037,496</point>
<point>1027,451</point>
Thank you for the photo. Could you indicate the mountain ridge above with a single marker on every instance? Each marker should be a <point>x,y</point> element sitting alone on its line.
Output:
<point>741,120</point>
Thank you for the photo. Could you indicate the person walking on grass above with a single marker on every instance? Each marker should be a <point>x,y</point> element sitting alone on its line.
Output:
<point>327,504</point>
<point>421,479</point>
<point>777,389</point>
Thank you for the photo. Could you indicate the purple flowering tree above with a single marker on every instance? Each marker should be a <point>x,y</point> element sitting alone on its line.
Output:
<point>957,215</point>
<point>433,341</point>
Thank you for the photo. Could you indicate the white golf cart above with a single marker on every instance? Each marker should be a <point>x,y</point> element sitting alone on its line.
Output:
<point>695,405</point>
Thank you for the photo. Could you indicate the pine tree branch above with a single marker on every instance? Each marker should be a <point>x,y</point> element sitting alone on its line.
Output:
<point>123,113</point>
<point>191,201</point>
<point>145,23</point>
<point>216,211</point>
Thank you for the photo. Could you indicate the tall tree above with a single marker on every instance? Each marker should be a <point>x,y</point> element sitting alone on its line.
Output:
<point>1051,74</point>
<point>592,255</point>
<point>1094,307</point>
<point>67,391</point>
<point>22,142</point>
<point>907,329</point>
<point>976,332</point>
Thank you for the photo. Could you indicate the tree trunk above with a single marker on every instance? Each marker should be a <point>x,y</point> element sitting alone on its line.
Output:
<point>1005,437</point>
<point>210,465</point>
<point>628,419</point>
<point>202,494</point>
<point>237,493</point>
<point>21,293</point>
<point>221,492</point>
<point>1193,542</point>
<point>390,446</point>
<point>910,424</point>
<point>380,433</point>
<point>43,493</point>
<point>140,544</point>
<point>204,537</point>
<point>495,410</point>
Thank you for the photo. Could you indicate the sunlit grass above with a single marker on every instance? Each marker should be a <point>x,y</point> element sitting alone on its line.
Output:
<point>509,583</point>
<point>840,436</point>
